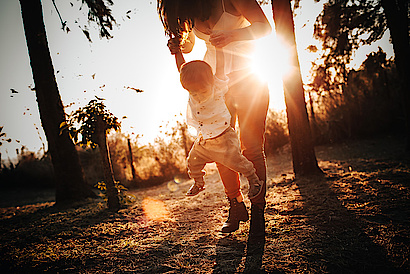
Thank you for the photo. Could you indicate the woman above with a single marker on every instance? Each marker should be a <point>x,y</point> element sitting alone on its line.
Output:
<point>231,24</point>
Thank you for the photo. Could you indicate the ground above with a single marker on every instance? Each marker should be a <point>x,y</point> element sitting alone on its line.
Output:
<point>353,220</point>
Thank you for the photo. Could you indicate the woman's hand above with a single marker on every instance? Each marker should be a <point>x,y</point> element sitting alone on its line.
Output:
<point>221,38</point>
<point>175,44</point>
<point>188,43</point>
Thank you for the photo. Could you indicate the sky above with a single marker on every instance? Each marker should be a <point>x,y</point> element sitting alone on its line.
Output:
<point>136,57</point>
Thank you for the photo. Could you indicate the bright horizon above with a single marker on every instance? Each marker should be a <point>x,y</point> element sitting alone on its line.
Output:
<point>137,57</point>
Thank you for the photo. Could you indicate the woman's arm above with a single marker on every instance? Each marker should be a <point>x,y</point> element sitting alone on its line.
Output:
<point>259,27</point>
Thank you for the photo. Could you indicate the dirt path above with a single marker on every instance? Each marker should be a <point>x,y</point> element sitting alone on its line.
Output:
<point>355,220</point>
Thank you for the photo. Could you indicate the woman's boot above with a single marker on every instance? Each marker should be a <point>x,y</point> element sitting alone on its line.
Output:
<point>237,213</point>
<point>257,227</point>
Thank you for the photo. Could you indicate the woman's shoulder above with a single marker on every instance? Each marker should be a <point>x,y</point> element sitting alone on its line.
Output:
<point>235,6</point>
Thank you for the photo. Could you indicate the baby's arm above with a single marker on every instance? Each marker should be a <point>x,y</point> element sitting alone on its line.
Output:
<point>179,59</point>
<point>174,47</point>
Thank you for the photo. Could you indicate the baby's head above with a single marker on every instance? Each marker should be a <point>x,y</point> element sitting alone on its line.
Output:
<point>197,77</point>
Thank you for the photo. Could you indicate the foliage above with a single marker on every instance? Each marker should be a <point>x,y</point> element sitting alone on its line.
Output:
<point>98,12</point>
<point>345,25</point>
<point>101,14</point>
<point>352,103</point>
<point>154,163</point>
<point>90,160</point>
<point>86,119</point>
<point>30,171</point>
<point>120,158</point>
<point>368,103</point>
<point>94,122</point>
<point>276,134</point>
<point>3,137</point>
<point>124,196</point>
<point>342,27</point>
<point>169,153</point>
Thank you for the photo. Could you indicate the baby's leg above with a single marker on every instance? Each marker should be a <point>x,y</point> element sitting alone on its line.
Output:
<point>233,159</point>
<point>196,165</point>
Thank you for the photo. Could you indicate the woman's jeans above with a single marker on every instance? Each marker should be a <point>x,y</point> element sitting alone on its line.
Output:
<point>248,102</point>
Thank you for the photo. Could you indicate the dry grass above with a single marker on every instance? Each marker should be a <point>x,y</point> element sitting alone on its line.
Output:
<point>354,220</point>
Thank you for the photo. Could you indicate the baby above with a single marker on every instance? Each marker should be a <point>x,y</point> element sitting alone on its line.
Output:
<point>217,141</point>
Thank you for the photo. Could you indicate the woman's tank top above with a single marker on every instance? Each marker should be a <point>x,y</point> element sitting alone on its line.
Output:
<point>237,54</point>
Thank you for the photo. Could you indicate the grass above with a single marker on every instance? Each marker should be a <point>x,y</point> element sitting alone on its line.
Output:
<point>354,220</point>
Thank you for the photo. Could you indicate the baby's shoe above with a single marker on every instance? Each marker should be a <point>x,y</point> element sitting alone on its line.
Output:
<point>195,189</point>
<point>255,187</point>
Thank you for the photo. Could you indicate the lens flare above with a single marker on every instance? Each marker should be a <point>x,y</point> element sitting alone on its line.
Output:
<point>172,186</point>
<point>177,180</point>
<point>154,209</point>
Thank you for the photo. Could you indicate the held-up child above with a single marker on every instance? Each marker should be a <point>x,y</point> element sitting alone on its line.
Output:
<point>217,141</point>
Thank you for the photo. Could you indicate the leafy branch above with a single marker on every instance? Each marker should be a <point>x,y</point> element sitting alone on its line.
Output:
<point>86,118</point>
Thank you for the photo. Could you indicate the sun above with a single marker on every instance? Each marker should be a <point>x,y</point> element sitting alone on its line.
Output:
<point>270,63</point>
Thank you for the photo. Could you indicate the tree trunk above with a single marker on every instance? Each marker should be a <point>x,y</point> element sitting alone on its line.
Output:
<point>303,154</point>
<point>70,182</point>
<point>134,173</point>
<point>397,22</point>
<point>111,190</point>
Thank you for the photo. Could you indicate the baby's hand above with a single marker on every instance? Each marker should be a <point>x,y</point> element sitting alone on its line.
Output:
<point>174,45</point>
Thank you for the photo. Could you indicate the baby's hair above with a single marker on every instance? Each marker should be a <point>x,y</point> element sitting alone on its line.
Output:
<point>196,73</point>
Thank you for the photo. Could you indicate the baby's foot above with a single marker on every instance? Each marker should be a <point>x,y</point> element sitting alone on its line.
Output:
<point>194,190</point>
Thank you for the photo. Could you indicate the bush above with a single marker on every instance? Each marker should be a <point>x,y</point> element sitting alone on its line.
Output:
<point>90,160</point>
<point>154,163</point>
<point>276,134</point>
<point>367,104</point>
<point>30,171</point>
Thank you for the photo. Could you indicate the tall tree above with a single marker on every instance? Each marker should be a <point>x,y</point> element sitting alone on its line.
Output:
<point>397,17</point>
<point>303,154</point>
<point>70,182</point>
<point>345,25</point>
<point>71,185</point>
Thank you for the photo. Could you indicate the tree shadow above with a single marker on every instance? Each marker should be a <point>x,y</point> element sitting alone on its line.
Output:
<point>23,227</point>
<point>23,196</point>
<point>42,223</point>
<point>338,244</point>
<point>229,253</point>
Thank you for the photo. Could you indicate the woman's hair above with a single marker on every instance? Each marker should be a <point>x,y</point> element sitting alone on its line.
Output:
<point>196,73</point>
<point>178,16</point>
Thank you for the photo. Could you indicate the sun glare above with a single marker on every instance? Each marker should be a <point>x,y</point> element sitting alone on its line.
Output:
<point>154,209</point>
<point>270,64</point>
